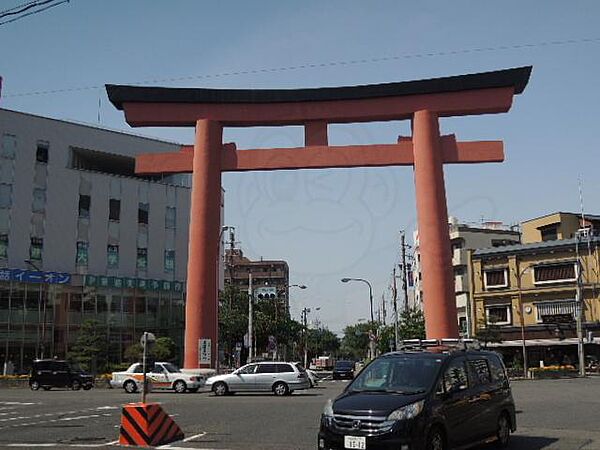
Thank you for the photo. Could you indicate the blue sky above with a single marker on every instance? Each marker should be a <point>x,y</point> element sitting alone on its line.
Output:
<point>331,224</point>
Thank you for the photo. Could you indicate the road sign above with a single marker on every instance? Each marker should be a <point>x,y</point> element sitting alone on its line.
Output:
<point>204,351</point>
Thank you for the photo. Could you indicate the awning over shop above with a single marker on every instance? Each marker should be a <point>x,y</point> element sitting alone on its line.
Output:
<point>540,343</point>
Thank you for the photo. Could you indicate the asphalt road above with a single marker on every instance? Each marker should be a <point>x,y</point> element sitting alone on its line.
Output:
<point>553,415</point>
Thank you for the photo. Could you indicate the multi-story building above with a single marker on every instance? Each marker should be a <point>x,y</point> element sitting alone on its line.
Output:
<point>270,278</point>
<point>558,225</point>
<point>83,237</point>
<point>465,237</point>
<point>534,285</point>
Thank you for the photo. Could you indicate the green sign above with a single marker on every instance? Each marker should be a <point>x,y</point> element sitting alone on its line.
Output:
<point>133,283</point>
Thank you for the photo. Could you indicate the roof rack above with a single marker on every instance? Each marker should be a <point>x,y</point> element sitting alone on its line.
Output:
<point>454,343</point>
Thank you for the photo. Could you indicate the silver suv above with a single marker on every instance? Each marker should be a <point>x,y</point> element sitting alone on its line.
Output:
<point>281,378</point>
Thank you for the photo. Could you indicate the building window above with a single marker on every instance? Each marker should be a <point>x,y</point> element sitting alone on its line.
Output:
<point>39,200</point>
<point>9,146</point>
<point>555,311</point>
<point>495,278</point>
<point>35,249</point>
<point>114,212</point>
<point>549,233</point>
<point>142,258</point>
<point>498,315</point>
<point>84,206</point>
<point>5,195</point>
<point>82,254</point>
<point>555,273</point>
<point>143,213</point>
<point>41,153</point>
<point>3,245</point>
<point>112,252</point>
<point>169,261</point>
<point>170,215</point>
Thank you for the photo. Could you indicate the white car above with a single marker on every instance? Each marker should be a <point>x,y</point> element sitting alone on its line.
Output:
<point>312,378</point>
<point>281,378</point>
<point>163,375</point>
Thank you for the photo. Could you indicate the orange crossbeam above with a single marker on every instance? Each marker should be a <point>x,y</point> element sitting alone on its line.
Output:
<point>322,156</point>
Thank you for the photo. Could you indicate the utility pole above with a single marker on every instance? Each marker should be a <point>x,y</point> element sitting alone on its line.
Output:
<point>383,307</point>
<point>404,271</point>
<point>395,294</point>
<point>579,304</point>
<point>305,311</point>
<point>250,337</point>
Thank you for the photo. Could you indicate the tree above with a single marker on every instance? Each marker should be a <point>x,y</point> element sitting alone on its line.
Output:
<point>90,348</point>
<point>355,342</point>
<point>322,341</point>
<point>488,333</point>
<point>164,349</point>
<point>412,324</point>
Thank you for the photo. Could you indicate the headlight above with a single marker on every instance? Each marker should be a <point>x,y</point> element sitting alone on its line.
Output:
<point>408,411</point>
<point>328,410</point>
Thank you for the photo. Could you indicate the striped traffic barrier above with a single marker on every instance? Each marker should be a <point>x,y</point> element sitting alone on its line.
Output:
<point>146,424</point>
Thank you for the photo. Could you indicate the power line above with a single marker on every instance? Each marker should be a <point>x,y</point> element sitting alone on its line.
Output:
<point>24,7</point>
<point>326,64</point>
<point>31,13</point>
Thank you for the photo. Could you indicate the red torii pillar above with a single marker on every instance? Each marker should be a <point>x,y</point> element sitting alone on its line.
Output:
<point>422,101</point>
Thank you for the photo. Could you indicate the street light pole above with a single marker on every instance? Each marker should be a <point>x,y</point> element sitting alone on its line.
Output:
<point>372,333</point>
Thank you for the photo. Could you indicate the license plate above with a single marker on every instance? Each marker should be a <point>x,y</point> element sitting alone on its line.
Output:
<point>355,442</point>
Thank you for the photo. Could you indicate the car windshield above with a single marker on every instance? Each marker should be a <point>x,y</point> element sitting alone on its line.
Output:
<point>344,365</point>
<point>171,368</point>
<point>405,375</point>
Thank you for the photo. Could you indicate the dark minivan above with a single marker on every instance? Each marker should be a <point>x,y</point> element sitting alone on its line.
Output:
<point>49,373</point>
<point>343,369</point>
<point>422,399</point>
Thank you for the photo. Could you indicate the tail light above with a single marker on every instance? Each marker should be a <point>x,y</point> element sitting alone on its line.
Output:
<point>302,375</point>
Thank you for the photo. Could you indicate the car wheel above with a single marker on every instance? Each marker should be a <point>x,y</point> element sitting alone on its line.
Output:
<point>503,431</point>
<point>180,387</point>
<point>130,387</point>
<point>280,388</point>
<point>75,385</point>
<point>192,390</point>
<point>87,387</point>
<point>220,389</point>
<point>34,385</point>
<point>436,440</point>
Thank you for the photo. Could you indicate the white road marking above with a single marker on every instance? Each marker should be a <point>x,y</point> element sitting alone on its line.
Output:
<point>191,438</point>
<point>19,403</point>
<point>59,413</point>
<point>62,445</point>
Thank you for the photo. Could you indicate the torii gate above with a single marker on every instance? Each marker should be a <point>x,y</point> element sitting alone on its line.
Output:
<point>421,101</point>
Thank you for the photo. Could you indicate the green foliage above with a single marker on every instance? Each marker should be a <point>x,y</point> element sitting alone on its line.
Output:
<point>412,324</point>
<point>164,349</point>
<point>321,341</point>
<point>90,350</point>
<point>268,320</point>
<point>488,333</point>
<point>355,342</point>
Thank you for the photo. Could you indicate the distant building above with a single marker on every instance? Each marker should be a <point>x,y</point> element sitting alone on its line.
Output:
<point>270,278</point>
<point>542,274</point>
<point>555,226</point>
<point>465,237</point>
<point>83,237</point>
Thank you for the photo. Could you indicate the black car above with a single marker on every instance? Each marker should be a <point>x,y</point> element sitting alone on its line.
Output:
<point>49,373</point>
<point>422,399</point>
<point>343,370</point>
